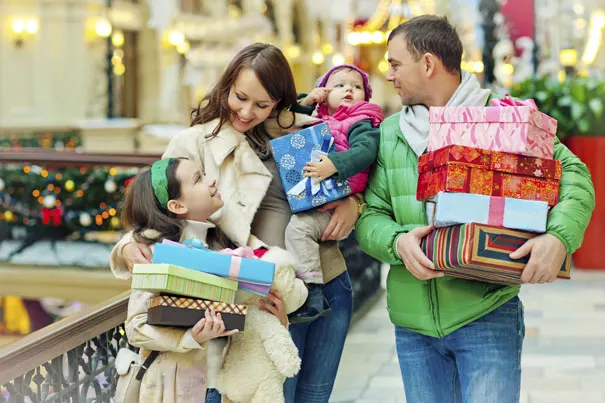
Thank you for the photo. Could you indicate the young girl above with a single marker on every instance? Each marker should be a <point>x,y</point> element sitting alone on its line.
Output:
<point>342,96</point>
<point>173,200</point>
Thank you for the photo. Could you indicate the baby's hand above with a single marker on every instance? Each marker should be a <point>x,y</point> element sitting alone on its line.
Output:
<point>320,170</point>
<point>210,327</point>
<point>317,95</point>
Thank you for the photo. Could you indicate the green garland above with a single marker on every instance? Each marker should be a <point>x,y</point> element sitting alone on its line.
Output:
<point>64,200</point>
<point>66,139</point>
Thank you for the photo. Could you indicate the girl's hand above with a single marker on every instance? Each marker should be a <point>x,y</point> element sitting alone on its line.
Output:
<point>274,304</point>
<point>344,216</point>
<point>317,95</point>
<point>210,327</point>
<point>134,253</point>
<point>320,170</point>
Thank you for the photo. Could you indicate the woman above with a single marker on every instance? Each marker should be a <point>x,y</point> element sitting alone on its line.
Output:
<point>228,139</point>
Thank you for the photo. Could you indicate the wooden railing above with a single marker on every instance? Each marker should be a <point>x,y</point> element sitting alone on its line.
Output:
<point>68,361</point>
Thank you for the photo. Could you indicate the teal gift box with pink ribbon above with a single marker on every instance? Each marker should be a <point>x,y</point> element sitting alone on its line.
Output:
<point>505,212</point>
<point>507,124</point>
<point>291,153</point>
<point>252,274</point>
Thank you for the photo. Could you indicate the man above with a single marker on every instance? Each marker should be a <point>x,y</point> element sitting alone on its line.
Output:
<point>457,340</point>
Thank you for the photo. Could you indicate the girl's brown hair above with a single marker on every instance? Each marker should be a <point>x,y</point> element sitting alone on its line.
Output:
<point>142,211</point>
<point>273,71</point>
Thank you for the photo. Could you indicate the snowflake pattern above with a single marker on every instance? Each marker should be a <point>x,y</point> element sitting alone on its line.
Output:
<point>293,176</point>
<point>287,161</point>
<point>297,141</point>
<point>319,200</point>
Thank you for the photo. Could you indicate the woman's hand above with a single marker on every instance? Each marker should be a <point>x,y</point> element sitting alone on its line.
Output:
<point>209,327</point>
<point>274,304</point>
<point>344,216</point>
<point>134,253</point>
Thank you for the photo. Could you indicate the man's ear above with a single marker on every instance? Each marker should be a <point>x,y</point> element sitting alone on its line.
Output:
<point>176,207</point>
<point>430,64</point>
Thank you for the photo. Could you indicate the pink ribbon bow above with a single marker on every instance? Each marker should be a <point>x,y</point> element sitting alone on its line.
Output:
<point>236,260</point>
<point>509,101</point>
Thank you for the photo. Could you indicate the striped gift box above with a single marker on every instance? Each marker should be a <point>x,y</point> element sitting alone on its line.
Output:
<point>170,279</point>
<point>480,252</point>
<point>174,310</point>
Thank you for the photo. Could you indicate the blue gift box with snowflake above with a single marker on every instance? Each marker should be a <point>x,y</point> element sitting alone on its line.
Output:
<point>291,153</point>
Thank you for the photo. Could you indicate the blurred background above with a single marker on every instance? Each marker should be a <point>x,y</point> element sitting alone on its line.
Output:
<point>92,90</point>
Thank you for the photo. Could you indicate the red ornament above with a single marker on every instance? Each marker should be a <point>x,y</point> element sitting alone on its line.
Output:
<point>52,215</point>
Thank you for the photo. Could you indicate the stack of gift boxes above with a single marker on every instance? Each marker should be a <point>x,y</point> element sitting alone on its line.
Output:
<point>489,179</point>
<point>191,280</point>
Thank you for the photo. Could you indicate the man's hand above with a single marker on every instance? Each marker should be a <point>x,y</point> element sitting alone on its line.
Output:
<point>408,248</point>
<point>320,170</point>
<point>316,96</point>
<point>546,256</point>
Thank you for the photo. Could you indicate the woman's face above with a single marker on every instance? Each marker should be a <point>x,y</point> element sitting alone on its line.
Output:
<point>249,102</point>
<point>199,195</point>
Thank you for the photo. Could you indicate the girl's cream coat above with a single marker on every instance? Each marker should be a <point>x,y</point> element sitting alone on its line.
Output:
<point>178,375</point>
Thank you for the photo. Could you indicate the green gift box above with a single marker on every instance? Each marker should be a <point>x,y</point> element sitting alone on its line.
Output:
<point>167,278</point>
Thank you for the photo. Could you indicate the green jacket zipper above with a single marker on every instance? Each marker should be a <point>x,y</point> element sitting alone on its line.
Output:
<point>432,292</point>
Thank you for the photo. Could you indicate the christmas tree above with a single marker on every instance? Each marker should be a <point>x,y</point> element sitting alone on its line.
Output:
<point>61,201</point>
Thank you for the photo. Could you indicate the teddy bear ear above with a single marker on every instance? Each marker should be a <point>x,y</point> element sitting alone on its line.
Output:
<point>284,277</point>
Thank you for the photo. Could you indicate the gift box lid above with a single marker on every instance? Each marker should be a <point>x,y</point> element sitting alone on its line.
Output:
<point>196,303</point>
<point>490,160</point>
<point>188,274</point>
<point>493,114</point>
<point>215,263</point>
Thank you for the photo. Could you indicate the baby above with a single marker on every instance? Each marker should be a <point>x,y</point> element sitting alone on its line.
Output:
<point>340,99</point>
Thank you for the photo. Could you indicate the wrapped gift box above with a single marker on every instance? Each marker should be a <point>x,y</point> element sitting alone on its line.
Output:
<point>480,252</point>
<point>291,153</point>
<point>171,279</point>
<point>491,160</point>
<point>207,261</point>
<point>172,310</point>
<point>463,208</point>
<point>514,129</point>
<point>465,179</point>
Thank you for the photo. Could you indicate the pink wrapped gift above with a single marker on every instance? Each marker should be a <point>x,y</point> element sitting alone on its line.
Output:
<point>508,125</point>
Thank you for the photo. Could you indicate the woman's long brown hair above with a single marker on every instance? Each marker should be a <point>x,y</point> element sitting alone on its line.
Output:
<point>273,72</point>
<point>141,211</point>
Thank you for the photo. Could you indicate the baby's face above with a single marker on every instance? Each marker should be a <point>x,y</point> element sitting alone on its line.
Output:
<point>347,88</point>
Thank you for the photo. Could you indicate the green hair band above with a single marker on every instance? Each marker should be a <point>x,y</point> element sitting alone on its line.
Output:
<point>159,180</point>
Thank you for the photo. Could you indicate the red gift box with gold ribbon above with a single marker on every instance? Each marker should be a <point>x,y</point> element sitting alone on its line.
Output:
<point>471,170</point>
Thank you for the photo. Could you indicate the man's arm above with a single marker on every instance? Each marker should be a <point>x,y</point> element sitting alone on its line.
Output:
<point>569,219</point>
<point>377,231</point>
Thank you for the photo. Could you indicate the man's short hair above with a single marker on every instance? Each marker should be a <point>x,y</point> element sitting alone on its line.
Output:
<point>432,34</point>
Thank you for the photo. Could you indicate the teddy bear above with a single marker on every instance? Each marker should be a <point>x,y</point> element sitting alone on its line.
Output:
<point>263,355</point>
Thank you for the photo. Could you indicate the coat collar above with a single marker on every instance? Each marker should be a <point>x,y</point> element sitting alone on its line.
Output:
<point>224,143</point>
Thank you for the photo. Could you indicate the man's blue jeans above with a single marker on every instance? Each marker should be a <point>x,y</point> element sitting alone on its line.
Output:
<point>320,344</point>
<point>478,363</point>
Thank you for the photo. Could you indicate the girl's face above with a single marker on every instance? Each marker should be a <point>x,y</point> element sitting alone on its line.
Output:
<point>199,196</point>
<point>249,102</point>
<point>347,88</point>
